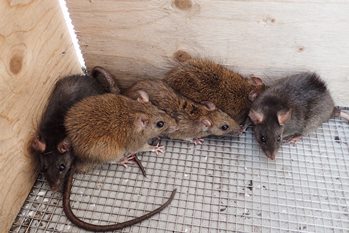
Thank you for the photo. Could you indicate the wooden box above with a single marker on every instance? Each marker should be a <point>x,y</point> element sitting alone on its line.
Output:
<point>140,38</point>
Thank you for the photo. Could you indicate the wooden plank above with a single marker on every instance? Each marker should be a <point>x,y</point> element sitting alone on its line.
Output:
<point>35,49</point>
<point>137,38</point>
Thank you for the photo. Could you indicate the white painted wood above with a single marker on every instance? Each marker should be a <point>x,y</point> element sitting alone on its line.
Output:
<point>137,38</point>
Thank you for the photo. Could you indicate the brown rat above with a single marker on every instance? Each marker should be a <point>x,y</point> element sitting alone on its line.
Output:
<point>107,127</point>
<point>101,228</point>
<point>194,120</point>
<point>289,109</point>
<point>50,145</point>
<point>53,148</point>
<point>204,80</point>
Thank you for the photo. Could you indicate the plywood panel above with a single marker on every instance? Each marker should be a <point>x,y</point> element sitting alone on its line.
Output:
<point>137,38</point>
<point>35,49</point>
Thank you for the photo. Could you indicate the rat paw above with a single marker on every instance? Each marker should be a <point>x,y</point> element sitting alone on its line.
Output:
<point>127,160</point>
<point>294,140</point>
<point>158,149</point>
<point>198,141</point>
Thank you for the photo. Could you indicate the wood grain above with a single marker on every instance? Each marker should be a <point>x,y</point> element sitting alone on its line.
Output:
<point>137,38</point>
<point>35,49</point>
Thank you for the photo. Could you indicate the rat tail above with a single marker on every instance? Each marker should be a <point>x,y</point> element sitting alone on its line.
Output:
<point>337,112</point>
<point>99,228</point>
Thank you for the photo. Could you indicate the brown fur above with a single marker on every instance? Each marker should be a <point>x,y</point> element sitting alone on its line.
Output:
<point>106,127</point>
<point>189,115</point>
<point>204,80</point>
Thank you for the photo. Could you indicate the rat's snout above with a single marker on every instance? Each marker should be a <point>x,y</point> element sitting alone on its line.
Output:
<point>236,131</point>
<point>56,186</point>
<point>270,155</point>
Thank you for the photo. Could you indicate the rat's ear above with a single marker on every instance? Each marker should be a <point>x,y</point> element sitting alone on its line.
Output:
<point>38,145</point>
<point>143,96</point>
<point>257,81</point>
<point>256,117</point>
<point>63,146</point>
<point>253,95</point>
<point>141,122</point>
<point>206,122</point>
<point>258,87</point>
<point>284,116</point>
<point>211,106</point>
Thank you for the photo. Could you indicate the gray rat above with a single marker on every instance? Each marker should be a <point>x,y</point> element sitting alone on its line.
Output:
<point>101,228</point>
<point>204,80</point>
<point>289,109</point>
<point>194,120</point>
<point>107,127</point>
<point>105,79</point>
<point>50,144</point>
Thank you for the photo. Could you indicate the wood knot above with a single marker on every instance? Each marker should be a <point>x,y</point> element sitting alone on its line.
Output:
<point>269,19</point>
<point>16,63</point>
<point>181,56</point>
<point>183,4</point>
<point>300,49</point>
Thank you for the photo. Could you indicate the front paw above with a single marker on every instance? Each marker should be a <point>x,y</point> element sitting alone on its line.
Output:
<point>158,149</point>
<point>198,141</point>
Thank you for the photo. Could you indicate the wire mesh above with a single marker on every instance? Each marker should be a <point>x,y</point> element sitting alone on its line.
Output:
<point>224,185</point>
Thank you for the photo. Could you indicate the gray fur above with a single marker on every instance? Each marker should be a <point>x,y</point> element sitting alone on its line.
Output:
<point>311,104</point>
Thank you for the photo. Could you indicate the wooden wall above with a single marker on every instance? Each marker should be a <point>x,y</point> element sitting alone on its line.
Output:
<point>35,49</point>
<point>269,38</point>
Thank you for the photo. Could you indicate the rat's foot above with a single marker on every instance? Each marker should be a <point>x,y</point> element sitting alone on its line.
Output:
<point>294,139</point>
<point>198,141</point>
<point>158,149</point>
<point>245,125</point>
<point>127,160</point>
<point>132,158</point>
<point>242,130</point>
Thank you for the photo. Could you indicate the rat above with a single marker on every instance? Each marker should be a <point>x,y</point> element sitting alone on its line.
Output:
<point>194,120</point>
<point>101,228</point>
<point>105,79</point>
<point>202,79</point>
<point>107,127</point>
<point>50,144</point>
<point>289,109</point>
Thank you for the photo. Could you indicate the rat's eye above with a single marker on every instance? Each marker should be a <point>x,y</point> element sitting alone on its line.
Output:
<point>263,139</point>
<point>61,167</point>
<point>160,124</point>
<point>279,138</point>
<point>225,127</point>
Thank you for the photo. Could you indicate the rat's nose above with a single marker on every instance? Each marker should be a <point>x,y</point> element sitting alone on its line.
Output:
<point>56,186</point>
<point>270,155</point>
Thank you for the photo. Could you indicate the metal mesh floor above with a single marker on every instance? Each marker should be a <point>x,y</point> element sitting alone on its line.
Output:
<point>223,185</point>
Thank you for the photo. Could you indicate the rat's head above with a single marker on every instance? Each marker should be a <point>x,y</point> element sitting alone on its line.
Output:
<point>268,129</point>
<point>218,122</point>
<point>223,124</point>
<point>192,120</point>
<point>153,121</point>
<point>54,162</point>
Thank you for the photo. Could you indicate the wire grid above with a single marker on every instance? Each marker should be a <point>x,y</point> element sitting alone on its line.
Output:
<point>224,185</point>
